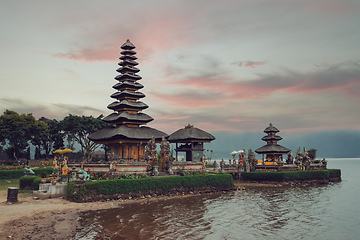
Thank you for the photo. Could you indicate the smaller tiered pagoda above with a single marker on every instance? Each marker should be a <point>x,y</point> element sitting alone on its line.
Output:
<point>272,149</point>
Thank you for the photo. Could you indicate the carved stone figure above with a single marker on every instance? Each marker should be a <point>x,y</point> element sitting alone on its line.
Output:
<point>324,162</point>
<point>165,158</point>
<point>306,159</point>
<point>65,168</point>
<point>252,160</point>
<point>222,166</point>
<point>150,156</point>
<point>28,171</point>
<point>55,167</point>
<point>215,165</point>
<point>83,174</point>
<point>290,158</point>
<point>298,158</point>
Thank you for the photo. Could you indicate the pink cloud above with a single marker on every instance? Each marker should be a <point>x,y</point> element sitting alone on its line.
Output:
<point>150,28</point>
<point>343,77</point>
<point>331,7</point>
<point>190,99</point>
<point>90,54</point>
<point>251,64</point>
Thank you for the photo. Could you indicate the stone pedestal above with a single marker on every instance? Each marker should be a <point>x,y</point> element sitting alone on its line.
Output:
<point>12,194</point>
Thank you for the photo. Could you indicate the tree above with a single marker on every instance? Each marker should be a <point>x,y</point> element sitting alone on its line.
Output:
<point>78,128</point>
<point>48,135</point>
<point>16,130</point>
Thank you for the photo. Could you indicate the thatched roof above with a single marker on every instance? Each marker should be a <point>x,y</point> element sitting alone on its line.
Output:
<point>128,68</point>
<point>126,93</point>
<point>127,76</point>
<point>127,45</point>
<point>142,133</point>
<point>272,149</point>
<point>128,62</point>
<point>125,116</point>
<point>128,57</point>
<point>269,138</point>
<point>190,134</point>
<point>138,105</point>
<point>128,84</point>
<point>128,52</point>
<point>270,129</point>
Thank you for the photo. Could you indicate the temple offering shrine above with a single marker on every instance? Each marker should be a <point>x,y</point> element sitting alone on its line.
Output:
<point>192,140</point>
<point>272,150</point>
<point>126,136</point>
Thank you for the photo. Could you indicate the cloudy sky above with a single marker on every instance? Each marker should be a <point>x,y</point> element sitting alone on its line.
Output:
<point>224,66</point>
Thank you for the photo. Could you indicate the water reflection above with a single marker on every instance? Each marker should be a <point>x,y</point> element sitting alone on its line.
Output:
<point>322,212</point>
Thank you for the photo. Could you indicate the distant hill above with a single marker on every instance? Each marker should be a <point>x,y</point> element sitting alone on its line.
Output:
<point>331,144</point>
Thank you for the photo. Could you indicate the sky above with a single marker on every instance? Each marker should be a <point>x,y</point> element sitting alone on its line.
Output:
<point>223,66</point>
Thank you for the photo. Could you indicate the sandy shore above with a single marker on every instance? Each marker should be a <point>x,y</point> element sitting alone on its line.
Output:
<point>54,218</point>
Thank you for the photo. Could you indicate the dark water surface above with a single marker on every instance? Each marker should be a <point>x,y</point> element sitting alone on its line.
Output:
<point>323,212</point>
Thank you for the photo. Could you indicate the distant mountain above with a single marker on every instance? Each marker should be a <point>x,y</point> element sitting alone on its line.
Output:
<point>331,144</point>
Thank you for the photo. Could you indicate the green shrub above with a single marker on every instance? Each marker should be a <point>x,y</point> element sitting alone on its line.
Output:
<point>11,174</point>
<point>334,173</point>
<point>43,171</point>
<point>29,182</point>
<point>78,192</point>
<point>291,176</point>
<point>16,174</point>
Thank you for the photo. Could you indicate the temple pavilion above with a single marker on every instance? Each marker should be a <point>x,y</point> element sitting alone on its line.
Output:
<point>191,141</point>
<point>126,136</point>
<point>272,149</point>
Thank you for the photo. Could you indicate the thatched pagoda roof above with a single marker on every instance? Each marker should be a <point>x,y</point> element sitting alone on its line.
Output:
<point>125,116</point>
<point>128,84</point>
<point>190,134</point>
<point>275,148</point>
<point>138,105</point>
<point>142,133</point>
<point>126,93</point>
<point>271,128</point>
<point>127,45</point>
<point>271,138</point>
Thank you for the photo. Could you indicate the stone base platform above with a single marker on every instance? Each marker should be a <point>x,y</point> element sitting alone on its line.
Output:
<point>48,190</point>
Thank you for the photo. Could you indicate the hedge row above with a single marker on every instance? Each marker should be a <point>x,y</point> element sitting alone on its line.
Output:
<point>88,190</point>
<point>15,174</point>
<point>292,176</point>
<point>29,182</point>
<point>11,174</point>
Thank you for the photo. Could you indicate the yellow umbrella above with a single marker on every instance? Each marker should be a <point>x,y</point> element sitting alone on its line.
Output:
<point>62,151</point>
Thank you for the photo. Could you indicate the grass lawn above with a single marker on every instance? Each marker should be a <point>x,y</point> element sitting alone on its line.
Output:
<point>4,184</point>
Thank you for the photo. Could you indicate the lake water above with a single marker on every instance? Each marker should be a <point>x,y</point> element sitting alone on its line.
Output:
<point>329,211</point>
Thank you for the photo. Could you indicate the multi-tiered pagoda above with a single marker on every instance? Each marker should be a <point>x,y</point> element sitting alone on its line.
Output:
<point>272,150</point>
<point>126,136</point>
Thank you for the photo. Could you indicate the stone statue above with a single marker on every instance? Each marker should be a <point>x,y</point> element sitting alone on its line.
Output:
<point>252,160</point>
<point>150,156</point>
<point>65,168</point>
<point>165,158</point>
<point>28,171</point>
<point>324,162</point>
<point>84,174</point>
<point>55,167</point>
<point>298,158</point>
<point>290,158</point>
<point>215,165</point>
<point>222,166</point>
<point>306,159</point>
